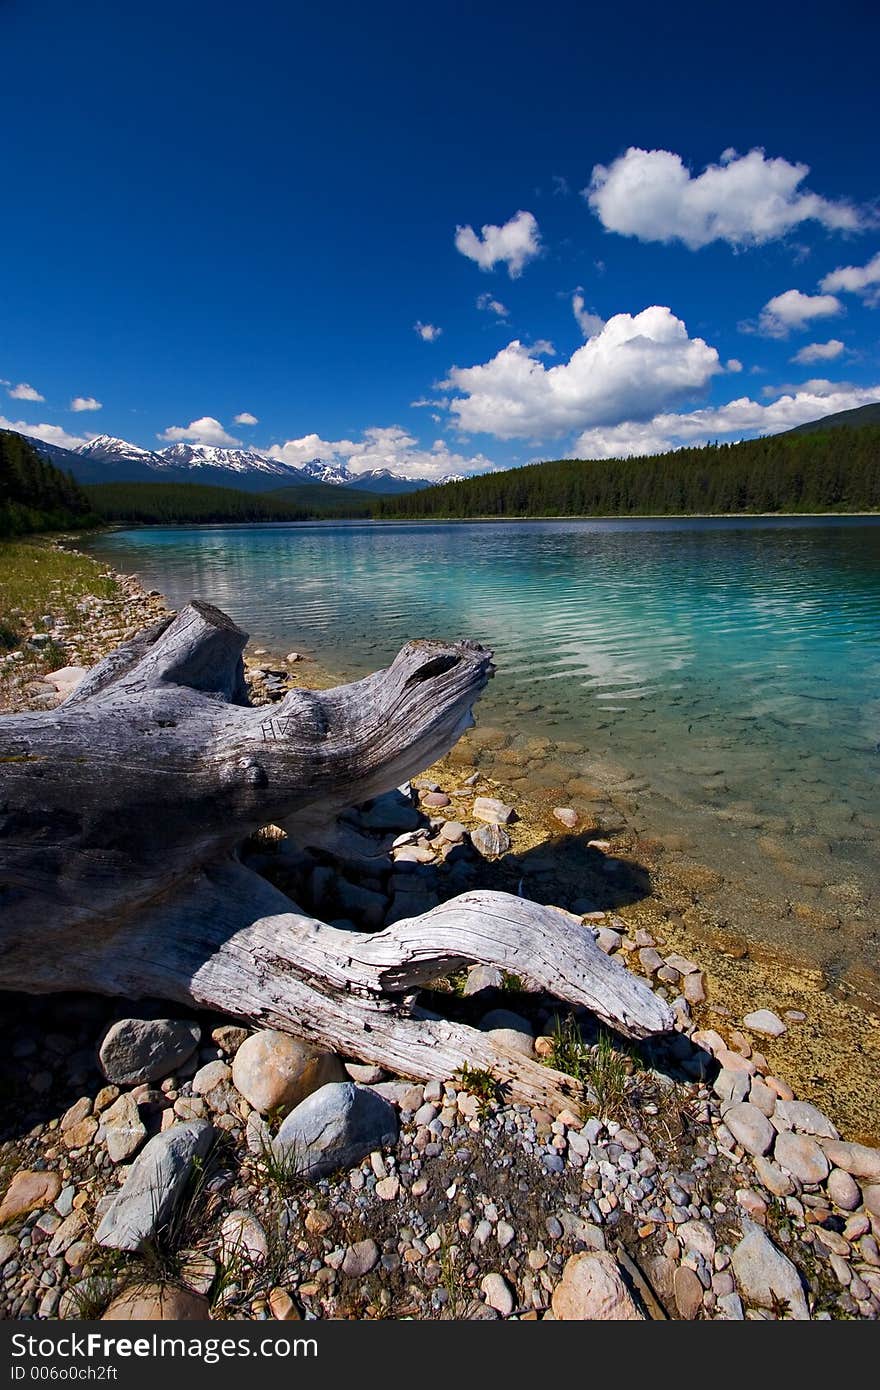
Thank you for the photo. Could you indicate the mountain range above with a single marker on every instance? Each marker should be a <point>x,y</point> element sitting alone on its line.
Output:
<point>106,459</point>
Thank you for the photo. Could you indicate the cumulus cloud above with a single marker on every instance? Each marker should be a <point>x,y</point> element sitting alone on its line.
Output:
<point>245,418</point>
<point>863,280</point>
<point>513,245</point>
<point>50,434</point>
<point>744,200</point>
<point>743,418</point>
<point>207,430</point>
<point>382,447</point>
<point>794,310</point>
<point>492,306</point>
<point>24,392</point>
<point>80,403</point>
<point>428,332</point>
<point>819,352</point>
<point>733,364</point>
<point>638,364</point>
<point>589,323</point>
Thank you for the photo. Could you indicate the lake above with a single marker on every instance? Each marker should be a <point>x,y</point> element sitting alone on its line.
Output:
<point>716,679</point>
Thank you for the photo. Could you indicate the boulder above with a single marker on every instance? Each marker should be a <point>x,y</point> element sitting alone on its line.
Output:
<point>857,1159</point>
<point>274,1071</point>
<point>494,812</point>
<point>749,1127</point>
<point>137,1049</point>
<point>801,1156</point>
<point>154,1185</point>
<point>765,1022</point>
<point>157,1302</point>
<point>592,1288</point>
<point>490,841</point>
<point>28,1192</point>
<point>766,1277</point>
<point>336,1127</point>
<point>806,1118</point>
<point>124,1131</point>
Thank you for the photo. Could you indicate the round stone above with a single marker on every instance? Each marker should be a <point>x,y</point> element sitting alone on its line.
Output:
<point>801,1156</point>
<point>274,1071</point>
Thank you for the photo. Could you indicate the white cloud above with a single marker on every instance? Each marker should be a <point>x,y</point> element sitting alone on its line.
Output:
<point>24,392</point>
<point>743,417</point>
<point>733,364</point>
<point>513,245</point>
<point>492,306</point>
<point>793,310</point>
<point>744,200</point>
<point>819,352</point>
<point>856,279</point>
<point>382,447</point>
<point>590,324</point>
<point>245,418</point>
<point>428,332</point>
<point>207,430</point>
<point>80,403</point>
<point>50,434</point>
<point>636,366</point>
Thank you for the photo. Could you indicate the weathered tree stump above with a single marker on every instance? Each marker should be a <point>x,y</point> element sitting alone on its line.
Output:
<point>121,813</point>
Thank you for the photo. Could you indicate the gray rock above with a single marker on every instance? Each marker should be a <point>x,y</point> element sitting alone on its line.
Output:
<point>124,1131</point>
<point>765,1022</point>
<point>490,841</point>
<point>488,808</point>
<point>336,1127</point>
<point>393,811</point>
<point>482,977</point>
<point>800,1115</point>
<point>505,1018</point>
<point>749,1127</point>
<point>731,1086</point>
<point>765,1275</point>
<point>154,1185</point>
<point>360,1258</point>
<point>498,1293</point>
<point>857,1159</point>
<point>842,1189</point>
<point>136,1049</point>
<point>773,1178</point>
<point>801,1156</point>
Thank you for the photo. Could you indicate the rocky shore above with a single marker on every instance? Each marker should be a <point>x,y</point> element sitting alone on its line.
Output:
<point>164,1163</point>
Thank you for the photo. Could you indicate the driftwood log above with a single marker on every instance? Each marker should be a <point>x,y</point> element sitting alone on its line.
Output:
<point>122,812</point>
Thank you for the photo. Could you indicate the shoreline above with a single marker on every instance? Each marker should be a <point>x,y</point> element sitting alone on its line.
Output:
<point>832,1058</point>
<point>721,1187</point>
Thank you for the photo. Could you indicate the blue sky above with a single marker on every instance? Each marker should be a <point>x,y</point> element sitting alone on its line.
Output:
<point>216,211</point>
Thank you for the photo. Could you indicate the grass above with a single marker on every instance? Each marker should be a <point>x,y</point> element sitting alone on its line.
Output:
<point>601,1068</point>
<point>481,1084</point>
<point>37,577</point>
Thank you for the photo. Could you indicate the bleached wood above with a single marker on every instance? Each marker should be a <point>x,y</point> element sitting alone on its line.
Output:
<point>122,811</point>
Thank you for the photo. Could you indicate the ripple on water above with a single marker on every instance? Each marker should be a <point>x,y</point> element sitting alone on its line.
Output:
<point>715,665</point>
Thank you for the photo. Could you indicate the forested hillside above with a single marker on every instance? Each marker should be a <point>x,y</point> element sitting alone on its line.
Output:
<point>171,503</point>
<point>826,471</point>
<point>34,494</point>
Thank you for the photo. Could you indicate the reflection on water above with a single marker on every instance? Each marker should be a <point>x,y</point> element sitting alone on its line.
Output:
<point>730,665</point>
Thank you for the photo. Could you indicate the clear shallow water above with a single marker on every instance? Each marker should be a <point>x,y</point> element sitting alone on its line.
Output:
<point>720,675</point>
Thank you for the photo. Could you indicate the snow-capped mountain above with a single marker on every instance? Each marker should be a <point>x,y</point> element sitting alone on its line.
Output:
<point>197,456</point>
<point>106,448</point>
<point>109,459</point>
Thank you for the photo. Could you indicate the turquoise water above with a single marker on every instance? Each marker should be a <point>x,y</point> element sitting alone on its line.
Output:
<point>718,677</point>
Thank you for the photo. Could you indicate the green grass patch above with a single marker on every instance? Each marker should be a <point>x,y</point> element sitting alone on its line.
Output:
<point>37,577</point>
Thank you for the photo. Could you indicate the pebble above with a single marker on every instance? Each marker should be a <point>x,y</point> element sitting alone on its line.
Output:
<point>749,1127</point>
<point>359,1259</point>
<point>498,1293</point>
<point>765,1022</point>
<point>801,1156</point>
